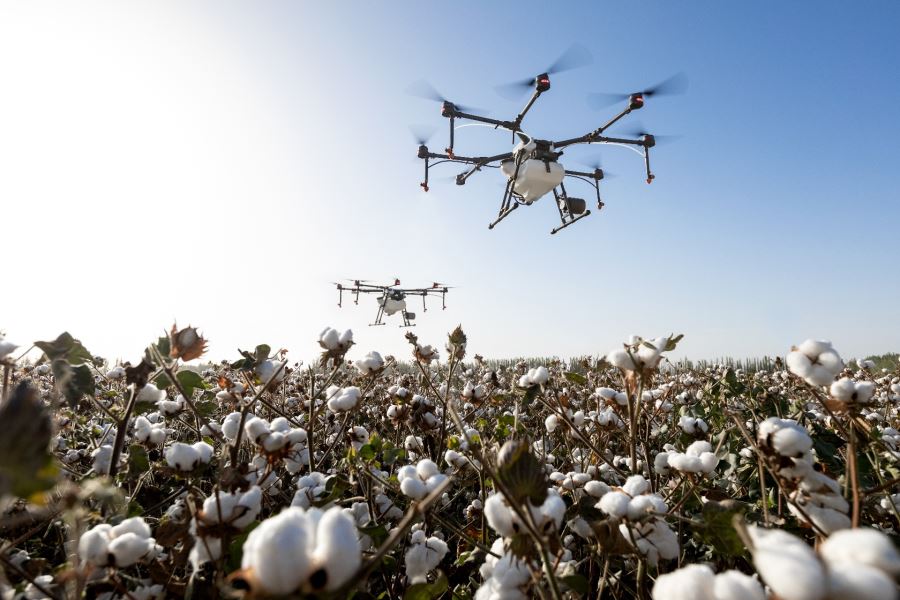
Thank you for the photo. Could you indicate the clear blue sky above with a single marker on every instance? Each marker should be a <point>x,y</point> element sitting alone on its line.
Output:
<point>262,151</point>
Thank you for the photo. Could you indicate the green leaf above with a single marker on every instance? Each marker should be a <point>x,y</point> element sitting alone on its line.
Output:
<point>427,591</point>
<point>366,452</point>
<point>190,381</point>
<point>72,381</point>
<point>138,461</point>
<point>576,377</point>
<point>66,348</point>
<point>717,529</point>
<point>26,465</point>
<point>206,409</point>
<point>162,381</point>
<point>164,346</point>
<point>577,583</point>
<point>392,455</point>
<point>378,533</point>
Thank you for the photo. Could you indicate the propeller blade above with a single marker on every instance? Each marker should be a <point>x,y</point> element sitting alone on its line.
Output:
<point>603,100</point>
<point>595,163</point>
<point>515,89</point>
<point>575,57</point>
<point>676,84</point>
<point>423,89</point>
<point>422,133</point>
<point>639,131</point>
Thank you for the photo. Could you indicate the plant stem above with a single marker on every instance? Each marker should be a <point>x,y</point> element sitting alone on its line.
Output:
<point>121,430</point>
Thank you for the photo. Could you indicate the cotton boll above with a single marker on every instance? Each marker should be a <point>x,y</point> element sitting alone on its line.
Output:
<point>329,338</point>
<point>94,543</point>
<point>693,582</point>
<point>539,375</point>
<point>204,451</point>
<point>413,487</point>
<point>815,361</point>
<point>636,485</point>
<point>256,428</point>
<point>337,551</point>
<point>276,554</point>
<point>685,463</point>
<point>230,426</point>
<point>182,457</point>
<point>426,468</point>
<point>499,516</point>
<point>370,363</point>
<point>150,393</point>
<point>860,582</point>
<point>850,392</point>
<point>787,565</point>
<point>206,549</point>
<point>734,585</point>
<point>551,422</point>
<point>274,441</point>
<point>615,504</point>
<point>128,548</point>
<point>861,546</point>
<point>597,489</point>
<point>135,525</point>
<point>423,556</point>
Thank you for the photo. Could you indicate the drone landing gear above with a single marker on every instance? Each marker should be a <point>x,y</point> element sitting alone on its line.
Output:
<point>504,212</point>
<point>568,209</point>
<point>507,205</point>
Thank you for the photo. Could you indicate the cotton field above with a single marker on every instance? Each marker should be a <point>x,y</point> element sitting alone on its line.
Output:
<point>439,474</point>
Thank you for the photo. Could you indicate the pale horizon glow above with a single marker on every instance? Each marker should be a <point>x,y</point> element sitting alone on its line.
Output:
<point>219,164</point>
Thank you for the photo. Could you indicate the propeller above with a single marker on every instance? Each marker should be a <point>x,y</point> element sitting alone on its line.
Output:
<point>574,57</point>
<point>438,285</point>
<point>676,84</point>
<point>595,164</point>
<point>639,131</point>
<point>422,133</point>
<point>423,89</point>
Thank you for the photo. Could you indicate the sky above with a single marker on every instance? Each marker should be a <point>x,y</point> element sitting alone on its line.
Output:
<point>220,163</point>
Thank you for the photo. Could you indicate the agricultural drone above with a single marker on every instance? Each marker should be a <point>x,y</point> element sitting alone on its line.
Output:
<point>532,169</point>
<point>392,298</point>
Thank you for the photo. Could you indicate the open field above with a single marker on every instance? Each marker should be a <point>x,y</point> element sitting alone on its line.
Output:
<point>444,475</point>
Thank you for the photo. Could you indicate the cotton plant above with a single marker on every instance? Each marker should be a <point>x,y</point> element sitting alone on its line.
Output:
<point>505,578</point>
<point>151,434</point>
<point>302,550</point>
<point>311,489</point>
<point>696,458</point>
<point>547,516</point>
<point>186,458</point>
<point>699,582</point>
<point>693,425</point>
<point>418,481</point>
<point>643,525</point>
<point>815,361</point>
<point>639,355</point>
<point>122,545</point>
<point>342,400</point>
<point>536,376</point>
<point>370,364</point>
<point>851,564</point>
<point>423,555</point>
<point>814,497</point>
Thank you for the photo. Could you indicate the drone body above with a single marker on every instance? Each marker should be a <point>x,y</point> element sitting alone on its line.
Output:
<point>391,298</point>
<point>532,169</point>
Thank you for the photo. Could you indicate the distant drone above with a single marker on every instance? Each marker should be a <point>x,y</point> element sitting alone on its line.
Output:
<point>532,168</point>
<point>392,298</point>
